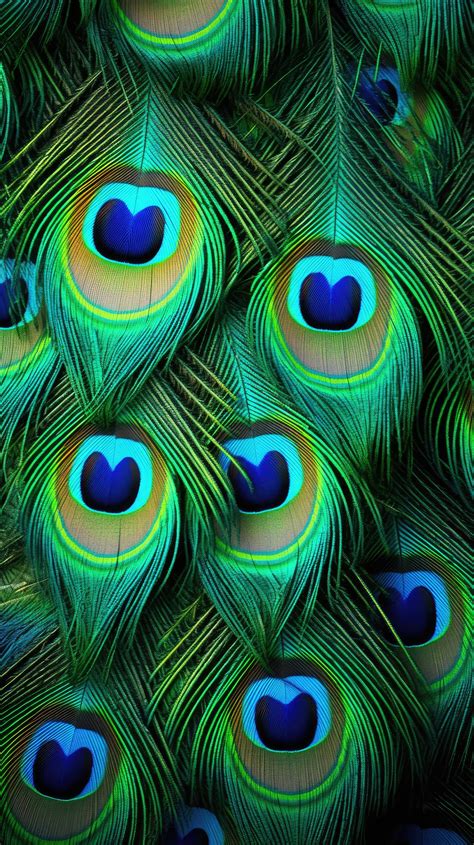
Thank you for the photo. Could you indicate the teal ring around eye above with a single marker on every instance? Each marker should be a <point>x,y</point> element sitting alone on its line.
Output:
<point>254,449</point>
<point>114,449</point>
<point>405,582</point>
<point>70,738</point>
<point>333,269</point>
<point>285,690</point>
<point>28,273</point>
<point>136,198</point>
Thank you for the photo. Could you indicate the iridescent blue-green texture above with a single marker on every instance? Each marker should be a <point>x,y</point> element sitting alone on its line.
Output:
<point>235,422</point>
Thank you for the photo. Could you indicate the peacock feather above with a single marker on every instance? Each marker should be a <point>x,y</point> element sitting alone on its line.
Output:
<point>294,498</point>
<point>235,422</point>
<point>74,767</point>
<point>28,360</point>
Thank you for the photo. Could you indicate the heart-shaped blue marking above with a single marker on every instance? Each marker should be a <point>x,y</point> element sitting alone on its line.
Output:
<point>60,775</point>
<point>269,482</point>
<point>412,616</point>
<point>106,489</point>
<point>381,97</point>
<point>120,235</point>
<point>330,307</point>
<point>286,726</point>
<point>13,301</point>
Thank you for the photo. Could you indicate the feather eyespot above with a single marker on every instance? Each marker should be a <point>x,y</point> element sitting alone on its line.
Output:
<point>381,92</point>
<point>421,608</point>
<point>415,604</point>
<point>287,729</point>
<point>287,714</point>
<point>330,313</point>
<point>268,484</point>
<point>111,474</point>
<point>127,237</point>
<point>135,240</point>
<point>269,473</point>
<point>422,602</point>
<point>112,492</point>
<point>21,324</point>
<point>276,482</point>
<point>64,762</point>
<point>331,294</point>
<point>330,307</point>
<point>381,98</point>
<point>132,224</point>
<point>65,767</point>
<point>109,489</point>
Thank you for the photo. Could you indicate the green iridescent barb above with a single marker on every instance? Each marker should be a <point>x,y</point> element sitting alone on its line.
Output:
<point>235,422</point>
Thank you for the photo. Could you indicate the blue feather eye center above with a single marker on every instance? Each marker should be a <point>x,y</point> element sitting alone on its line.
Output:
<point>120,235</point>
<point>111,474</point>
<point>268,484</point>
<point>287,714</point>
<point>331,294</point>
<point>381,92</point>
<point>65,762</point>
<point>13,302</point>
<point>267,472</point>
<point>416,605</point>
<point>61,775</point>
<point>330,307</point>
<point>413,616</point>
<point>107,489</point>
<point>286,726</point>
<point>381,97</point>
<point>132,224</point>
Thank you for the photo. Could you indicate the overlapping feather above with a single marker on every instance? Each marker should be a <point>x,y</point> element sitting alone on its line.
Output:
<point>233,584</point>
